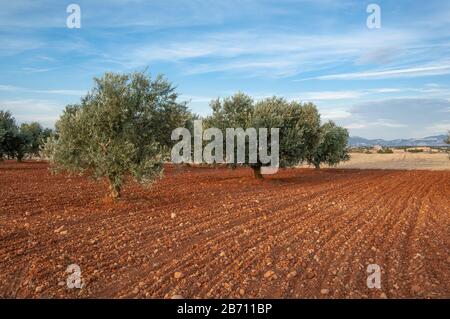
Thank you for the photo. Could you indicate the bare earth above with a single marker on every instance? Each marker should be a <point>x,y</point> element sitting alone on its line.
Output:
<point>299,234</point>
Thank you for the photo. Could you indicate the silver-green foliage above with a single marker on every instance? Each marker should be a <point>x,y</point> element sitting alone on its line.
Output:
<point>299,126</point>
<point>299,123</point>
<point>121,127</point>
<point>8,129</point>
<point>333,146</point>
<point>15,142</point>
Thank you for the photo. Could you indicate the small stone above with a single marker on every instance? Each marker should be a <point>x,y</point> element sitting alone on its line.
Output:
<point>64,232</point>
<point>178,275</point>
<point>136,290</point>
<point>324,291</point>
<point>310,275</point>
<point>292,274</point>
<point>416,289</point>
<point>177,297</point>
<point>222,254</point>
<point>59,229</point>
<point>241,292</point>
<point>268,274</point>
<point>38,289</point>
<point>383,295</point>
<point>173,215</point>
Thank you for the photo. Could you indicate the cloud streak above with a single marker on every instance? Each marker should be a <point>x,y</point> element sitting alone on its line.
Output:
<point>391,73</point>
<point>11,88</point>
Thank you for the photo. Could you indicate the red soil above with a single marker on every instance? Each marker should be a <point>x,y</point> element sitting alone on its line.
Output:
<point>298,234</point>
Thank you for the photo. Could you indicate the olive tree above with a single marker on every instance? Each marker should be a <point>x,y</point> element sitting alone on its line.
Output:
<point>299,125</point>
<point>231,112</point>
<point>118,129</point>
<point>8,129</point>
<point>35,136</point>
<point>332,148</point>
<point>13,142</point>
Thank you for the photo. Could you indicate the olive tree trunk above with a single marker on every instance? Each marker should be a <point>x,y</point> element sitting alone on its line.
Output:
<point>257,172</point>
<point>114,189</point>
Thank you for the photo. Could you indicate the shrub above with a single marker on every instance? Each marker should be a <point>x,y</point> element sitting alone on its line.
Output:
<point>385,151</point>
<point>415,150</point>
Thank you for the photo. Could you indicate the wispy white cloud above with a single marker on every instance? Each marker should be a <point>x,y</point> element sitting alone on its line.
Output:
<point>45,112</point>
<point>332,95</point>
<point>442,127</point>
<point>390,73</point>
<point>35,70</point>
<point>379,123</point>
<point>265,52</point>
<point>398,118</point>
<point>12,88</point>
<point>196,98</point>
<point>335,114</point>
<point>29,105</point>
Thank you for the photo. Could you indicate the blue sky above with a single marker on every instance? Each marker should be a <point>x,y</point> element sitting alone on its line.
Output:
<point>392,82</point>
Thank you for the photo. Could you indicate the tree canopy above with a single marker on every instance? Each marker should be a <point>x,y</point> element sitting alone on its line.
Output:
<point>18,142</point>
<point>121,127</point>
<point>299,124</point>
<point>332,148</point>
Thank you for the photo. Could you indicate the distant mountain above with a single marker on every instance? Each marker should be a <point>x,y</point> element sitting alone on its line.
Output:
<point>437,140</point>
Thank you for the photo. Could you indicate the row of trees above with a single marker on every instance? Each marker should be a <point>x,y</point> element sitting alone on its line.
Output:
<point>123,127</point>
<point>302,137</point>
<point>17,142</point>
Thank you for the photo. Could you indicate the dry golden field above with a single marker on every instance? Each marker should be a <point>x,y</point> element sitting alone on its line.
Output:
<point>398,160</point>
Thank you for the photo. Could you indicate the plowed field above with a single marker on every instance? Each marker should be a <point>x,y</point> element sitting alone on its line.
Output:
<point>216,233</point>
